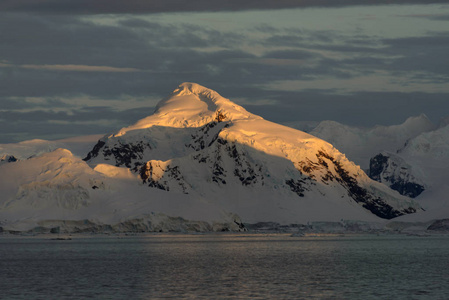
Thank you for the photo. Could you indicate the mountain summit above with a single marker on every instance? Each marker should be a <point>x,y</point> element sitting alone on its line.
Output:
<point>191,105</point>
<point>201,145</point>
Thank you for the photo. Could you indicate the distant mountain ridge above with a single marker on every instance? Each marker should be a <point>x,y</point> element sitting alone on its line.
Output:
<point>411,158</point>
<point>360,144</point>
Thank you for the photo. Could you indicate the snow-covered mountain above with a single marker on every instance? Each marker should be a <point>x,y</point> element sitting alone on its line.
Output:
<point>200,143</point>
<point>32,148</point>
<point>426,157</point>
<point>361,144</point>
<point>27,149</point>
<point>411,158</point>
<point>198,162</point>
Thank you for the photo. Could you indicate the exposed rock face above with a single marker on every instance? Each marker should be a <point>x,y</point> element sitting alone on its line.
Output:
<point>393,171</point>
<point>122,153</point>
<point>7,159</point>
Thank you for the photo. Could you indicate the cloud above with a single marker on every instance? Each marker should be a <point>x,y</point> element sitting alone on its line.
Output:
<point>170,54</point>
<point>376,82</point>
<point>323,40</point>
<point>55,40</point>
<point>433,17</point>
<point>419,60</point>
<point>76,68</point>
<point>104,72</point>
<point>421,54</point>
<point>16,126</point>
<point>359,109</point>
<point>79,68</point>
<point>163,6</point>
<point>70,106</point>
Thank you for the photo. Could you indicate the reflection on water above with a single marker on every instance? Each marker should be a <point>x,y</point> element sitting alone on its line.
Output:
<point>225,266</point>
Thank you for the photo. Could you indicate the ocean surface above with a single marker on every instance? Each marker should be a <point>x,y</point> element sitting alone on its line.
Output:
<point>225,266</point>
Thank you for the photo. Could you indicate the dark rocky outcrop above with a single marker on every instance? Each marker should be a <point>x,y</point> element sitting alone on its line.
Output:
<point>396,173</point>
<point>95,151</point>
<point>439,225</point>
<point>149,175</point>
<point>299,186</point>
<point>8,159</point>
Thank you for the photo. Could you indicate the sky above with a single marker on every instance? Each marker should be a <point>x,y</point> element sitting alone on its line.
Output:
<point>79,67</point>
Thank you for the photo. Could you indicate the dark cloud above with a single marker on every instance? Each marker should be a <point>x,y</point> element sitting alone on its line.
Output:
<point>164,56</point>
<point>433,17</point>
<point>370,54</point>
<point>168,55</point>
<point>288,40</point>
<point>420,54</point>
<point>358,109</point>
<point>56,40</point>
<point>436,39</point>
<point>16,126</point>
<point>161,6</point>
<point>291,54</point>
<point>440,18</point>
<point>52,56</point>
<point>320,40</point>
<point>172,68</point>
<point>64,40</point>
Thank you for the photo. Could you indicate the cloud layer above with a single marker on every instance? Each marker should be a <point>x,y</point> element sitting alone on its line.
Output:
<point>65,73</point>
<point>164,6</point>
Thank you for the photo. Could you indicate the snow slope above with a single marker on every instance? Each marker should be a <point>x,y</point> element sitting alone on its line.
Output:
<point>57,189</point>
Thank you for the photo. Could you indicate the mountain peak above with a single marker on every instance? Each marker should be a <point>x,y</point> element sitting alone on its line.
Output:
<point>418,123</point>
<point>191,105</point>
<point>191,88</point>
<point>189,95</point>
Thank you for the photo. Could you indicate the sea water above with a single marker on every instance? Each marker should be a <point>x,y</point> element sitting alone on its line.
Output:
<point>225,266</point>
